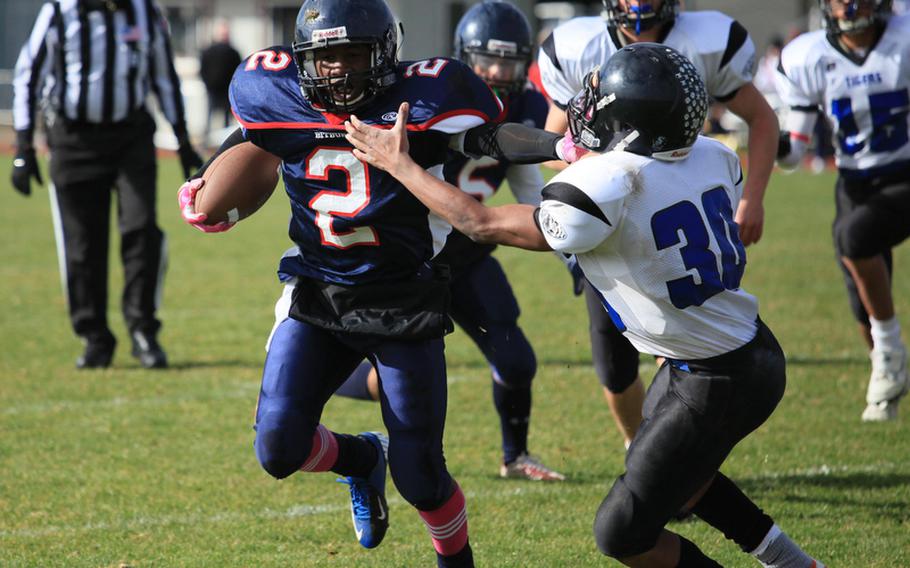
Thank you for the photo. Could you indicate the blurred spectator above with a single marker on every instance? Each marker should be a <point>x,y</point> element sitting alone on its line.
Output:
<point>216,67</point>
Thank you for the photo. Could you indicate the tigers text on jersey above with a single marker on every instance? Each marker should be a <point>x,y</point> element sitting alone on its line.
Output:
<point>718,45</point>
<point>352,223</point>
<point>658,241</point>
<point>866,98</point>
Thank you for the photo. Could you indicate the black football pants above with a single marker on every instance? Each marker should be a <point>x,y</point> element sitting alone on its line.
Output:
<point>87,161</point>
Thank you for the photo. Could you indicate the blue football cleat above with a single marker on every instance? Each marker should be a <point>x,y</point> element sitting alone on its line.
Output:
<point>369,510</point>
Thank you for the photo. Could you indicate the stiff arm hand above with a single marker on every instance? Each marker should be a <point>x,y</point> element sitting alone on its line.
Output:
<point>387,149</point>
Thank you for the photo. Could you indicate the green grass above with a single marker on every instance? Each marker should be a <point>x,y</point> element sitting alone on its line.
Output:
<point>127,466</point>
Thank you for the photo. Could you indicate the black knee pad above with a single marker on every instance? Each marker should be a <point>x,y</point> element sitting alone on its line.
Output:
<point>620,529</point>
<point>513,358</point>
<point>615,360</point>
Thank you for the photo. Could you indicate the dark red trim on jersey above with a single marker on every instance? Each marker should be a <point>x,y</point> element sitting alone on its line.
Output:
<point>333,126</point>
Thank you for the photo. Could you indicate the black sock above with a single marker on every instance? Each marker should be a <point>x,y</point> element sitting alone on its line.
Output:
<point>514,408</point>
<point>463,559</point>
<point>725,507</point>
<point>356,456</point>
<point>691,557</point>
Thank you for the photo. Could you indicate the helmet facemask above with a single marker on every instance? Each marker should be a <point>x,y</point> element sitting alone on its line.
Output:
<point>642,17</point>
<point>504,73</point>
<point>589,123</point>
<point>348,92</point>
<point>853,22</point>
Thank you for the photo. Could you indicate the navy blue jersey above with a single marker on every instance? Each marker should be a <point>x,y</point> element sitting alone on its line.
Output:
<point>482,177</point>
<point>352,223</point>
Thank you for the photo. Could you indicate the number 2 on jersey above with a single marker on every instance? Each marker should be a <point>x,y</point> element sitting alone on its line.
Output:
<point>696,254</point>
<point>330,204</point>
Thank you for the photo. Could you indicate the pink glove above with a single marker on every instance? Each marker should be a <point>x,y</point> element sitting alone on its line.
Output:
<point>568,151</point>
<point>186,199</point>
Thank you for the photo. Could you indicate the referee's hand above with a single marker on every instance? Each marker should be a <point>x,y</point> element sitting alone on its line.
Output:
<point>189,159</point>
<point>25,167</point>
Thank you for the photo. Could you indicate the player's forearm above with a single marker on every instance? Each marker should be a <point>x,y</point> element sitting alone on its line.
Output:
<point>795,139</point>
<point>511,225</point>
<point>763,136</point>
<point>512,142</point>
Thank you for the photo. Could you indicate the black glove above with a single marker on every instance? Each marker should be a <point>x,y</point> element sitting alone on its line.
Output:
<point>25,167</point>
<point>189,159</point>
<point>578,277</point>
<point>783,144</point>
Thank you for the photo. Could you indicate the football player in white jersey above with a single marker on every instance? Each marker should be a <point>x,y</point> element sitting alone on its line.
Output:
<point>650,209</point>
<point>858,71</point>
<point>722,51</point>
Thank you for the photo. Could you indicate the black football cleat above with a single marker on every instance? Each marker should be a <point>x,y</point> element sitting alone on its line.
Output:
<point>148,351</point>
<point>97,355</point>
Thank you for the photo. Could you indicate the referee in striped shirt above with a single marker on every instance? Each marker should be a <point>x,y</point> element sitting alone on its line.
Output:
<point>89,66</point>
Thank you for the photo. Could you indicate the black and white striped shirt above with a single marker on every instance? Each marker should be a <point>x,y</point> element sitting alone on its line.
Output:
<point>95,61</point>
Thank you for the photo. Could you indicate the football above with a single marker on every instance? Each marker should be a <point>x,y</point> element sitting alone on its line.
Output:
<point>237,183</point>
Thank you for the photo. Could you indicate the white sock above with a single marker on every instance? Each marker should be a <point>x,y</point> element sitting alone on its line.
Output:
<point>778,551</point>
<point>886,334</point>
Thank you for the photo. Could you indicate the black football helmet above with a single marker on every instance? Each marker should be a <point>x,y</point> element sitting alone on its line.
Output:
<point>495,33</point>
<point>642,17</point>
<point>326,23</point>
<point>647,99</point>
<point>879,12</point>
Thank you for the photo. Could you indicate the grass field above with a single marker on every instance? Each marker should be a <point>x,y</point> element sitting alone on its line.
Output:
<point>131,467</point>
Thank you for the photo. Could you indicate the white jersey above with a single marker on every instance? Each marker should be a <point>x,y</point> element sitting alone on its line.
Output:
<point>865,98</point>
<point>718,46</point>
<point>658,241</point>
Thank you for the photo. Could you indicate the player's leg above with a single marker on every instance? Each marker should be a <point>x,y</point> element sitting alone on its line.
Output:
<point>870,221</point>
<point>80,205</point>
<point>412,380</point>
<point>616,365</point>
<point>484,306</point>
<point>362,384</point>
<point>304,365</point>
<point>695,413</point>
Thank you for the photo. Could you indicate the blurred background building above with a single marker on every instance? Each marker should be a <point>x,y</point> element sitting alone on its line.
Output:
<point>429,24</point>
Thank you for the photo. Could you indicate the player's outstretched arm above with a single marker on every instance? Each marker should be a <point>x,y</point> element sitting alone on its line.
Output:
<point>750,105</point>
<point>511,225</point>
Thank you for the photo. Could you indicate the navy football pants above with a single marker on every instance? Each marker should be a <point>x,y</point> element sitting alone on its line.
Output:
<point>306,364</point>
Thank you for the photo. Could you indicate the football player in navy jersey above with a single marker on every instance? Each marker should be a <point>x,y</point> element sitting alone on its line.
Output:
<point>358,282</point>
<point>857,70</point>
<point>494,39</point>
<point>722,51</point>
<point>651,203</point>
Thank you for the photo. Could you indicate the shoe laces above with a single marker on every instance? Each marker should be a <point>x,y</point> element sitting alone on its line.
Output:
<point>360,498</point>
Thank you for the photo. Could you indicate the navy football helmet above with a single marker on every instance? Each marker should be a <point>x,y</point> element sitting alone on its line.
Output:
<point>877,13</point>
<point>647,99</point>
<point>328,23</point>
<point>641,17</point>
<point>495,36</point>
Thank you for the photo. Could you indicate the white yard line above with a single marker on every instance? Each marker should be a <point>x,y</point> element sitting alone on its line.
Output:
<point>312,510</point>
<point>234,391</point>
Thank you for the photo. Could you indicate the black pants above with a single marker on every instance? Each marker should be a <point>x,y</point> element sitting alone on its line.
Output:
<point>694,414</point>
<point>87,161</point>
<point>872,218</point>
<point>615,359</point>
